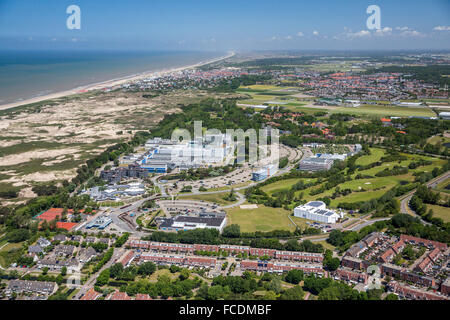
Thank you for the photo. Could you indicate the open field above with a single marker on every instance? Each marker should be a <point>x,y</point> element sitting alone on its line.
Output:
<point>280,185</point>
<point>8,253</point>
<point>263,219</point>
<point>440,212</point>
<point>386,111</point>
<point>267,94</point>
<point>376,155</point>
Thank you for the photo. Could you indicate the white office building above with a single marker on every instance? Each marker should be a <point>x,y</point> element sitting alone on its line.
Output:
<point>316,211</point>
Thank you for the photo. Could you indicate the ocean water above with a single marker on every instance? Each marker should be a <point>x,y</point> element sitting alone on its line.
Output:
<point>28,74</point>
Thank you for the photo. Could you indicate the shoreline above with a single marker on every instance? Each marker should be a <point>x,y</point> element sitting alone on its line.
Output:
<point>109,83</point>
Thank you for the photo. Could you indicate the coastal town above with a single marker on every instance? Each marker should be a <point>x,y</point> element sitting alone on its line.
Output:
<point>349,200</point>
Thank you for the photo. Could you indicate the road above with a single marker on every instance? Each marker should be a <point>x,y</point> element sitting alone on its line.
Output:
<point>404,200</point>
<point>91,281</point>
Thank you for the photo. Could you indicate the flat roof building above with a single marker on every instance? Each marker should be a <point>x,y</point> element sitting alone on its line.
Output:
<point>315,164</point>
<point>316,211</point>
<point>189,223</point>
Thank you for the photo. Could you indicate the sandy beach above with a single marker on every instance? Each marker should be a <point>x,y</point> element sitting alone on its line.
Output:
<point>110,83</point>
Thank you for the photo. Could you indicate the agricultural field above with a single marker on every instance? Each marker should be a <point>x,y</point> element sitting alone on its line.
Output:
<point>274,96</point>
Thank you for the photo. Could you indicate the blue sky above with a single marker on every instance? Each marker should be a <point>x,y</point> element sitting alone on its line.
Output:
<point>217,25</point>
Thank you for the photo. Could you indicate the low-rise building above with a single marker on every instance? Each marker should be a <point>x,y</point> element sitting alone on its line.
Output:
<point>315,164</point>
<point>316,211</point>
<point>64,250</point>
<point>40,287</point>
<point>351,276</point>
<point>192,222</point>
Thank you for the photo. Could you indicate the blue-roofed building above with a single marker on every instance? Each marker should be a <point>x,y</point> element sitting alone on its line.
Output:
<point>99,223</point>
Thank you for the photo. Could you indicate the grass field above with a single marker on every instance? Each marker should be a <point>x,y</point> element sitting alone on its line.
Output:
<point>362,189</point>
<point>376,155</point>
<point>280,185</point>
<point>375,110</point>
<point>263,219</point>
<point>9,253</point>
<point>440,212</point>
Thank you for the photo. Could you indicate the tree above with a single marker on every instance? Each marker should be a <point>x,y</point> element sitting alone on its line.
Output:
<point>116,271</point>
<point>147,268</point>
<point>232,231</point>
<point>294,276</point>
<point>103,278</point>
<point>295,293</point>
<point>391,296</point>
<point>184,274</point>
<point>63,271</point>
<point>44,271</point>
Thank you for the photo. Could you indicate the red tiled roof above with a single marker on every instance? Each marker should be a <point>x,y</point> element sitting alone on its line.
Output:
<point>91,295</point>
<point>120,296</point>
<point>141,296</point>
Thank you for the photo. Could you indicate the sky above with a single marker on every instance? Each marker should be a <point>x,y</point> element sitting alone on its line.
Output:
<point>219,25</point>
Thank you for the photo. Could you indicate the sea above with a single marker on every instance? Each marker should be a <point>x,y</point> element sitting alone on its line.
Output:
<point>29,74</point>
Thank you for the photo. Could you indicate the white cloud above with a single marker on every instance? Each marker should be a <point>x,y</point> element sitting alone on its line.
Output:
<point>300,34</point>
<point>384,31</point>
<point>412,33</point>
<point>360,34</point>
<point>316,33</point>
<point>288,38</point>
<point>402,28</point>
<point>74,40</point>
<point>442,28</point>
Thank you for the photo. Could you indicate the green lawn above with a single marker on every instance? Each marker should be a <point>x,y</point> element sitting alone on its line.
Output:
<point>263,219</point>
<point>376,155</point>
<point>440,212</point>
<point>385,111</point>
<point>280,185</point>
<point>9,253</point>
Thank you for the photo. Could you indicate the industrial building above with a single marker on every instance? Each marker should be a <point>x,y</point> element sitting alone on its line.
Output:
<point>317,211</point>
<point>315,164</point>
<point>116,192</point>
<point>444,115</point>
<point>192,222</point>
<point>164,154</point>
<point>265,172</point>
<point>116,175</point>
